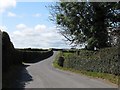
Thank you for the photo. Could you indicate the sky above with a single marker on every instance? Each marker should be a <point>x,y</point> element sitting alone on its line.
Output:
<point>28,24</point>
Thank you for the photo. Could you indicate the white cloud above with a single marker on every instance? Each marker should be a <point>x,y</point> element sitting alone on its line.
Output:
<point>10,14</point>
<point>37,15</point>
<point>40,27</point>
<point>39,36</point>
<point>5,4</point>
<point>21,26</point>
<point>3,28</point>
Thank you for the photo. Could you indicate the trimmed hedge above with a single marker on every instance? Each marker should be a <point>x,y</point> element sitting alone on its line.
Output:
<point>7,52</point>
<point>12,56</point>
<point>34,56</point>
<point>104,60</point>
<point>32,49</point>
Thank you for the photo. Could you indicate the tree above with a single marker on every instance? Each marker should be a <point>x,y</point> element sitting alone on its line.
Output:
<point>85,22</point>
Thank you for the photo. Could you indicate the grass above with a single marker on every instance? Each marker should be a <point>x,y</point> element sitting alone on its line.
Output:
<point>105,76</point>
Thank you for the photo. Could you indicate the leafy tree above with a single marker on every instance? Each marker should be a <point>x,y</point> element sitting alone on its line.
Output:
<point>85,22</point>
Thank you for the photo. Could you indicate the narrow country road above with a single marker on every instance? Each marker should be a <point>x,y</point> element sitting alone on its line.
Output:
<point>44,75</point>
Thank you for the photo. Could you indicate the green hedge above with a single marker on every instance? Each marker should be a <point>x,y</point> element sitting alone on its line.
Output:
<point>12,56</point>
<point>34,56</point>
<point>104,61</point>
<point>7,52</point>
<point>32,49</point>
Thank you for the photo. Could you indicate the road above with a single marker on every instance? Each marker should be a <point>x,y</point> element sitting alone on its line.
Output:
<point>44,75</point>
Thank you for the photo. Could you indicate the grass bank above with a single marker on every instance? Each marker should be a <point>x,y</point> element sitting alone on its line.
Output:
<point>113,78</point>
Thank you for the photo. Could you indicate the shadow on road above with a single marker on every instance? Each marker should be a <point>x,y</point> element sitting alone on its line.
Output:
<point>18,76</point>
<point>23,78</point>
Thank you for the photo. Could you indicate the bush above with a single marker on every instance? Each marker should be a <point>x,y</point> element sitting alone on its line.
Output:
<point>104,61</point>
<point>34,56</point>
<point>12,56</point>
<point>61,61</point>
<point>7,52</point>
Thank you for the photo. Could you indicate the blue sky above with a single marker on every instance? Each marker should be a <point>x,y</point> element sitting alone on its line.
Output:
<point>27,12</point>
<point>28,25</point>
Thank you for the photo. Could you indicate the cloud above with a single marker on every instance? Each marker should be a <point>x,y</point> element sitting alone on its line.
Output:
<point>21,26</point>
<point>5,4</point>
<point>37,15</point>
<point>10,14</point>
<point>40,27</point>
<point>3,28</point>
<point>39,36</point>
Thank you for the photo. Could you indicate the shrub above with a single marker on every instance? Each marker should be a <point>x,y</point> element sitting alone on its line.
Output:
<point>105,60</point>
<point>12,56</point>
<point>61,61</point>
<point>34,56</point>
<point>7,52</point>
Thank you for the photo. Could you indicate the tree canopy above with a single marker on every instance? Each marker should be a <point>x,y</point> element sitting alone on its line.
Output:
<point>86,22</point>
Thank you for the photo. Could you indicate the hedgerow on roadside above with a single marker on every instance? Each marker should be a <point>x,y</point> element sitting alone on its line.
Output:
<point>102,64</point>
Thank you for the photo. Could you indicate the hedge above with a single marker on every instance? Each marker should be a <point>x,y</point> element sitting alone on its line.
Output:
<point>104,61</point>
<point>35,56</point>
<point>12,56</point>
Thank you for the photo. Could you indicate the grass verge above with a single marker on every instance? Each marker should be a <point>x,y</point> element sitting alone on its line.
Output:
<point>105,76</point>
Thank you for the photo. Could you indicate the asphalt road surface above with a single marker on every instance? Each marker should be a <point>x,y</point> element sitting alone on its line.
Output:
<point>44,75</point>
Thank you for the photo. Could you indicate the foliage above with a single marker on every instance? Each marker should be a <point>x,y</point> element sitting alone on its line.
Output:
<point>32,49</point>
<point>12,59</point>
<point>34,56</point>
<point>61,61</point>
<point>104,61</point>
<point>7,52</point>
<point>106,76</point>
<point>12,56</point>
<point>85,22</point>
